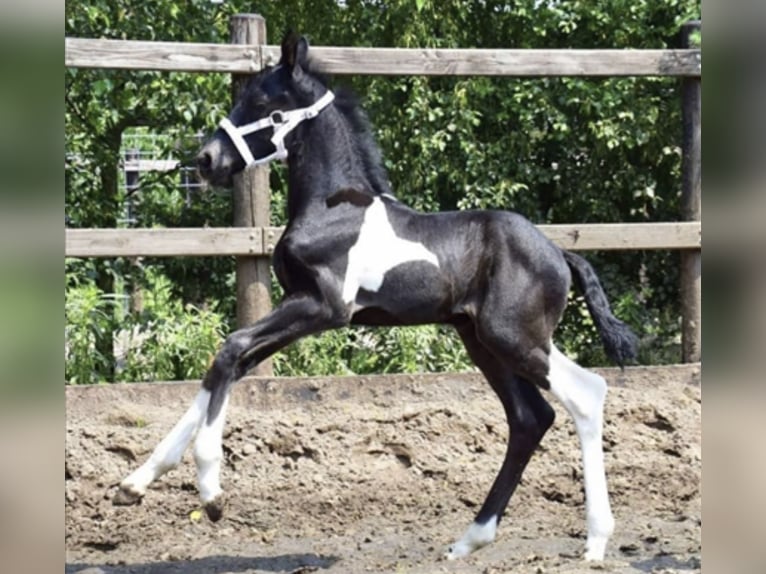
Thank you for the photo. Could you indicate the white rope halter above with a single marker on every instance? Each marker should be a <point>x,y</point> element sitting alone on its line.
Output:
<point>282,122</point>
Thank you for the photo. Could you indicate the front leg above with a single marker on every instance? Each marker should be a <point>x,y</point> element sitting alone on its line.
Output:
<point>296,317</point>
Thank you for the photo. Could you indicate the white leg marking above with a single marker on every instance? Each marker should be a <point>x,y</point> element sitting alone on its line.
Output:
<point>168,453</point>
<point>208,454</point>
<point>475,537</point>
<point>378,250</point>
<point>582,393</point>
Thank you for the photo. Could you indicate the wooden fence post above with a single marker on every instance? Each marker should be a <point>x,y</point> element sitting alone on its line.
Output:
<point>251,201</point>
<point>691,206</point>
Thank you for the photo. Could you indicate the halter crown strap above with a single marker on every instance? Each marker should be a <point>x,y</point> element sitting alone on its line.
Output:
<point>282,122</point>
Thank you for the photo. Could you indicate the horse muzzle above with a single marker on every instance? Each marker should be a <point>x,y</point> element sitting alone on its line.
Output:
<point>215,164</point>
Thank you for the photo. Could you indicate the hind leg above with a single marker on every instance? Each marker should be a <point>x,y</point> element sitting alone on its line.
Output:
<point>529,417</point>
<point>583,393</point>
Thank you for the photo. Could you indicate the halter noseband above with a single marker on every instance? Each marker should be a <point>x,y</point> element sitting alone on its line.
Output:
<point>282,122</point>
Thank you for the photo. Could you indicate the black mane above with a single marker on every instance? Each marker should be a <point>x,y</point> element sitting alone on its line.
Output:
<point>347,103</point>
<point>372,158</point>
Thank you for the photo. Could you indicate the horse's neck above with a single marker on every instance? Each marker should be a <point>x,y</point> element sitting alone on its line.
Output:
<point>326,161</point>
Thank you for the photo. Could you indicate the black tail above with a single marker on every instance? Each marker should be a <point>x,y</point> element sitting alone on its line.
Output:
<point>620,343</point>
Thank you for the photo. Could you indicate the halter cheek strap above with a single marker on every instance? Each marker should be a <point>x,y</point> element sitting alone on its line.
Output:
<point>282,123</point>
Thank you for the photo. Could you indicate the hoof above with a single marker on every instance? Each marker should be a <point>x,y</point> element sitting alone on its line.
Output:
<point>450,554</point>
<point>595,549</point>
<point>214,508</point>
<point>463,548</point>
<point>476,536</point>
<point>457,551</point>
<point>126,496</point>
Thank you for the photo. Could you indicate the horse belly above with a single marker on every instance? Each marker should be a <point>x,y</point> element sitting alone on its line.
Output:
<point>411,293</point>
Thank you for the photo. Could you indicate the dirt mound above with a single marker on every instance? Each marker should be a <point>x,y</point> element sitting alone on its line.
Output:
<point>380,474</point>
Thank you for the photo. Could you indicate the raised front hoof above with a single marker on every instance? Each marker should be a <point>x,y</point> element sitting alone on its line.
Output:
<point>214,508</point>
<point>126,496</point>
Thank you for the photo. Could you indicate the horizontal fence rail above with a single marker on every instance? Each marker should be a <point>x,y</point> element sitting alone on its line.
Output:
<point>256,241</point>
<point>233,58</point>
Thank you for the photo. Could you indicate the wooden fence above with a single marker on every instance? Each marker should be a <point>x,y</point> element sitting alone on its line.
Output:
<point>260,241</point>
<point>252,240</point>
<point>173,56</point>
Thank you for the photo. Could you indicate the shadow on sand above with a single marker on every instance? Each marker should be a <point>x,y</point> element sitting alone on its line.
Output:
<point>662,561</point>
<point>291,563</point>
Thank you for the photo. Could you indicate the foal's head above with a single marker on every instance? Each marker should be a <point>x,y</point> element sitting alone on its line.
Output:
<point>256,130</point>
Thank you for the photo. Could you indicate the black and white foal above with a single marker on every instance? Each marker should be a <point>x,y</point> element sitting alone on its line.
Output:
<point>352,254</point>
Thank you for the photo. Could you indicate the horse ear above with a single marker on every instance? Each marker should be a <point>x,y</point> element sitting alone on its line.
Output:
<point>288,47</point>
<point>295,50</point>
<point>301,52</point>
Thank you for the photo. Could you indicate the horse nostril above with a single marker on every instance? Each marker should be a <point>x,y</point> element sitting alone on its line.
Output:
<point>204,162</point>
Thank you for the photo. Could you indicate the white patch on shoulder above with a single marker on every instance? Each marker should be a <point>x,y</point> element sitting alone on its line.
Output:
<point>378,250</point>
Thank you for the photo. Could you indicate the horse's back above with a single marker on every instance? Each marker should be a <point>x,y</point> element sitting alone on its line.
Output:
<point>478,233</point>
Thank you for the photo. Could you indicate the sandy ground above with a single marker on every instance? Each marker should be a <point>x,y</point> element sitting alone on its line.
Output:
<point>381,474</point>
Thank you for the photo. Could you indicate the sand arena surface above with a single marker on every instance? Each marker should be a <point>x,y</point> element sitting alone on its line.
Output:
<point>381,474</point>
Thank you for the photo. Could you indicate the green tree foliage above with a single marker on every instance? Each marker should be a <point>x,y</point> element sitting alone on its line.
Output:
<point>555,149</point>
<point>101,105</point>
<point>166,340</point>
